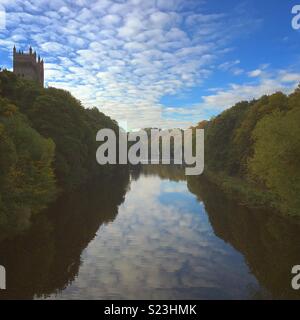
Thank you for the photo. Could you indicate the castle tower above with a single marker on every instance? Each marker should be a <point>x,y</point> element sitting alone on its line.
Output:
<point>26,66</point>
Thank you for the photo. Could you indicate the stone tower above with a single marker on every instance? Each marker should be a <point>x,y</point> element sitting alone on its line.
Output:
<point>28,66</point>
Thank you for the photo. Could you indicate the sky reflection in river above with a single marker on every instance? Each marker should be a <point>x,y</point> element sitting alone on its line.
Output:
<point>160,246</point>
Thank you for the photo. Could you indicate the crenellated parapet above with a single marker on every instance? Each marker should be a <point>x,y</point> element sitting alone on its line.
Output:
<point>28,66</point>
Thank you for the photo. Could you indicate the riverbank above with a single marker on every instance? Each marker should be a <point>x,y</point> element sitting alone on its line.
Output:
<point>252,151</point>
<point>247,193</point>
<point>156,231</point>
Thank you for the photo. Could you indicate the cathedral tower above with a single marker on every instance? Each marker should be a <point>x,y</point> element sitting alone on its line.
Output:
<point>27,66</point>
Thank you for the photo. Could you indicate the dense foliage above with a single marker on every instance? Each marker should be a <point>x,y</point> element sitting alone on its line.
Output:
<point>53,250</point>
<point>257,144</point>
<point>45,135</point>
<point>27,181</point>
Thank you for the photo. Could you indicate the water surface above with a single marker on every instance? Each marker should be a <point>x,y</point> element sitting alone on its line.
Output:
<point>153,235</point>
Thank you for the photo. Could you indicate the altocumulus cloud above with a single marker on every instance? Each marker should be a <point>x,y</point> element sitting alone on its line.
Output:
<point>124,56</point>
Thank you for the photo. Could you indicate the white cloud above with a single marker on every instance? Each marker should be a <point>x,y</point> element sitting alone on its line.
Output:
<point>161,19</point>
<point>267,84</point>
<point>123,56</point>
<point>255,73</point>
<point>290,77</point>
<point>111,20</point>
<point>126,260</point>
<point>53,47</point>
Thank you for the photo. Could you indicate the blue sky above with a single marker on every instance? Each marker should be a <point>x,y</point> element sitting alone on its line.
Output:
<point>158,63</point>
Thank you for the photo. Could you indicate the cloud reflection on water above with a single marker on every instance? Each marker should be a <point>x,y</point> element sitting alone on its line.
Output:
<point>160,248</point>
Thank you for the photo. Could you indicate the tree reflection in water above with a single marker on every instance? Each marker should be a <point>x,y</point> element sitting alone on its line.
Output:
<point>47,260</point>
<point>270,243</point>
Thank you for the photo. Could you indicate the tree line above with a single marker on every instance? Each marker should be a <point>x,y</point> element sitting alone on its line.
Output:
<point>47,146</point>
<point>252,150</point>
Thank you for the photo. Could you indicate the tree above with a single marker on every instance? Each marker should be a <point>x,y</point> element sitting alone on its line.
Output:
<point>276,160</point>
<point>27,182</point>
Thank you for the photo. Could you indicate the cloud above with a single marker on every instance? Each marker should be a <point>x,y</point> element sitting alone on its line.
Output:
<point>157,248</point>
<point>111,20</point>
<point>266,84</point>
<point>290,77</point>
<point>231,66</point>
<point>123,56</point>
<point>2,17</point>
<point>255,73</point>
<point>53,47</point>
<point>161,19</point>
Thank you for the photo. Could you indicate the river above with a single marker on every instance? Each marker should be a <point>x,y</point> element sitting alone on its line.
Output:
<point>151,234</point>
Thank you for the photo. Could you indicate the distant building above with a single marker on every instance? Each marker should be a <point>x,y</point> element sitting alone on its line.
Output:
<point>28,66</point>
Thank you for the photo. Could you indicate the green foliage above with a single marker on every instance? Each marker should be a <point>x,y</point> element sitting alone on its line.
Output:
<point>27,181</point>
<point>221,151</point>
<point>56,114</point>
<point>254,147</point>
<point>276,161</point>
<point>45,136</point>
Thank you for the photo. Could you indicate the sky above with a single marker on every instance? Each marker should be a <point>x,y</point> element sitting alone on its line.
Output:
<point>158,63</point>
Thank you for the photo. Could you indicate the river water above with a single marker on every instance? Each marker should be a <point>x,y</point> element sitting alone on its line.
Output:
<point>152,234</point>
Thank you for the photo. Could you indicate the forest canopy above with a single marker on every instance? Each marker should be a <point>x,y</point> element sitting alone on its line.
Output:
<point>253,149</point>
<point>47,145</point>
